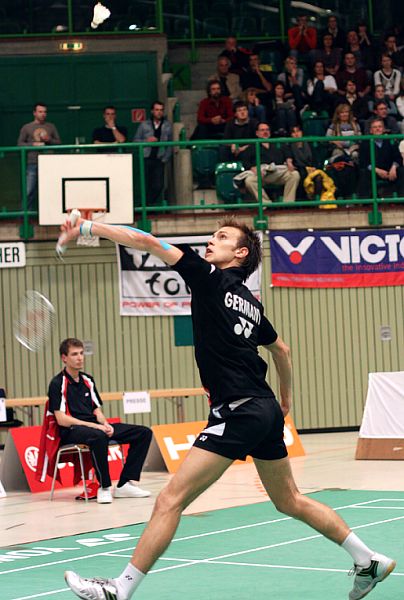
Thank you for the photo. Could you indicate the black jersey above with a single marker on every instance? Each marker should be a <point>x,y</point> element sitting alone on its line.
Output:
<point>228,324</point>
<point>76,398</point>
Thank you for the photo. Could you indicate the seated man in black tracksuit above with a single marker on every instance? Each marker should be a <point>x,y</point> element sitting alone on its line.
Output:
<point>240,128</point>
<point>388,164</point>
<point>76,404</point>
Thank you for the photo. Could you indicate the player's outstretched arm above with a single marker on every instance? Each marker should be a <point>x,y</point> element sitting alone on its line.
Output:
<point>281,357</point>
<point>125,236</point>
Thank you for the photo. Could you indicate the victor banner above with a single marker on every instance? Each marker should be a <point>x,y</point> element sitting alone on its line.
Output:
<point>149,287</point>
<point>337,259</point>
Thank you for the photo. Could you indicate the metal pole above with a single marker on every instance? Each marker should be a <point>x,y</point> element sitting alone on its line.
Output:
<point>143,220</point>
<point>192,31</point>
<point>69,16</point>
<point>282,19</point>
<point>370,16</point>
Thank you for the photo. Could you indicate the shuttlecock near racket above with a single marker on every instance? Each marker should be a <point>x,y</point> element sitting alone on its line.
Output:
<point>101,13</point>
<point>61,245</point>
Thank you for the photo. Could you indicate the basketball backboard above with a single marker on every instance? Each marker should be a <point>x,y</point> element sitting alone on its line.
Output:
<point>102,182</point>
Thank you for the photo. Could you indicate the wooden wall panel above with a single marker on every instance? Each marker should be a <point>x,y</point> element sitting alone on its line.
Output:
<point>334,335</point>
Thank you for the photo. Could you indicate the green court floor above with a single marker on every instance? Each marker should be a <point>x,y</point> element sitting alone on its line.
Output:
<point>243,553</point>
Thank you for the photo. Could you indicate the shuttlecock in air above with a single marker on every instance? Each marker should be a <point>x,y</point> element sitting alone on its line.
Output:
<point>101,13</point>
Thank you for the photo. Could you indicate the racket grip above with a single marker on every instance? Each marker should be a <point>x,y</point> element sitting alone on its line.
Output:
<point>72,218</point>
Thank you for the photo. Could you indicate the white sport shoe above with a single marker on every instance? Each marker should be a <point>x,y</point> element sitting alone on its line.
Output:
<point>130,490</point>
<point>367,578</point>
<point>104,496</point>
<point>91,589</point>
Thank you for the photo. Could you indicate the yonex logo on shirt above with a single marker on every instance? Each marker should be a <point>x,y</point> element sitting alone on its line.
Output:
<point>242,305</point>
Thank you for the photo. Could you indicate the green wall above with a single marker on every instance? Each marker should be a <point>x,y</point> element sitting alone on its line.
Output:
<point>89,81</point>
<point>334,337</point>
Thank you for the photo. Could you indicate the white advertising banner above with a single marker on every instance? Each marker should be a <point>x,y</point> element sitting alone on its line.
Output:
<point>149,288</point>
<point>384,409</point>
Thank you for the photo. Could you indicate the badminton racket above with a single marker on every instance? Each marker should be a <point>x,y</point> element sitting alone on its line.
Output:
<point>60,246</point>
<point>34,320</point>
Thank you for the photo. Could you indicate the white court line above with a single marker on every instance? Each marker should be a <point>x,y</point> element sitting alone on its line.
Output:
<point>181,539</point>
<point>266,566</point>
<point>379,507</point>
<point>44,594</point>
<point>112,552</point>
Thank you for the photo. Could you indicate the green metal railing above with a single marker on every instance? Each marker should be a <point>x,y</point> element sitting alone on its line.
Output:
<point>143,211</point>
<point>71,21</point>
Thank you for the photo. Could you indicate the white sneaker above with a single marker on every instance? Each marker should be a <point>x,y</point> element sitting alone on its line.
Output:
<point>130,490</point>
<point>366,578</point>
<point>91,589</point>
<point>104,496</point>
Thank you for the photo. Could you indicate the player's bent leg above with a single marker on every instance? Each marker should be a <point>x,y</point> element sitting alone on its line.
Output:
<point>370,567</point>
<point>277,478</point>
<point>198,471</point>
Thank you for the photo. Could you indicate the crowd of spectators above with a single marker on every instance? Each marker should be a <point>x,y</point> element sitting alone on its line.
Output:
<point>350,81</point>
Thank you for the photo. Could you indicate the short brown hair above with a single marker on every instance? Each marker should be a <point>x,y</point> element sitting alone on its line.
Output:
<point>69,343</point>
<point>248,239</point>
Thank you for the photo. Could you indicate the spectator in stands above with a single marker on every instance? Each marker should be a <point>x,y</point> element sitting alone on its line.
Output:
<point>359,106</point>
<point>365,39</point>
<point>213,114</point>
<point>363,54</point>
<point>292,78</point>
<point>356,74</point>
<point>276,167</point>
<point>339,36</point>
<point>255,77</point>
<point>302,38</point>
<point>344,124</point>
<point>302,158</point>
<point>400,107</point>
<point>255,108</point>
<point>282,112</point>
<point>379,95</point>
<point>76,404</point>
<point>229,82</point>
<point>321,89</point>
<point>388,164</point>
<point>237,55</point>
<point>110,132</point>
<point>344,158</point>
<point>396,54</point>
<point>388,77</point>
<point>38,132</point>
<point>239,128</point>
<point>327,54</point>
<point>390,124</point>
<point>291,75</point>
<point>155,129</point>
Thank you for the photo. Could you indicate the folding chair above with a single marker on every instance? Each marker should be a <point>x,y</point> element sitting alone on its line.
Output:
<point>78,449</point>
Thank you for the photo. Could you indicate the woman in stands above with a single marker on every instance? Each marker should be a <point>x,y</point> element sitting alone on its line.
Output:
<point>388,77</point>
<point>255,109</point>
<point>344,124</point>
<point>322,89</point>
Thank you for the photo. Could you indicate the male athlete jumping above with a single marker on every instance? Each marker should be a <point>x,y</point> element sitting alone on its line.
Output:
<point>245,417</point>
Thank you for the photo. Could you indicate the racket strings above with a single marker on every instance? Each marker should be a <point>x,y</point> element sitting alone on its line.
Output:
<point>34,321</point>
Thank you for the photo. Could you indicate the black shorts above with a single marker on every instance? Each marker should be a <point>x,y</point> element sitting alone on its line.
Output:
<point>245,427</point>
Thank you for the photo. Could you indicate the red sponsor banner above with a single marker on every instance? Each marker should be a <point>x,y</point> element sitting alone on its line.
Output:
<point>138,115</point>
<point>26,440</point>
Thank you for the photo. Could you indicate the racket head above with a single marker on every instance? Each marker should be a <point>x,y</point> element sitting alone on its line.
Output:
<point>34,320</point>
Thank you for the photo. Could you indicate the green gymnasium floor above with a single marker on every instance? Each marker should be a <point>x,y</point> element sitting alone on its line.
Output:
<point>243,553</point>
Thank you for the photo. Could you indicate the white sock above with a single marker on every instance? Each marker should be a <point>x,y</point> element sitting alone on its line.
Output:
<point>128,581</point>
<point>361,554</point>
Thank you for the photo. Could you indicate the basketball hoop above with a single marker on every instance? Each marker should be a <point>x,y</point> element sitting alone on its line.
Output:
<point>91,214</point>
